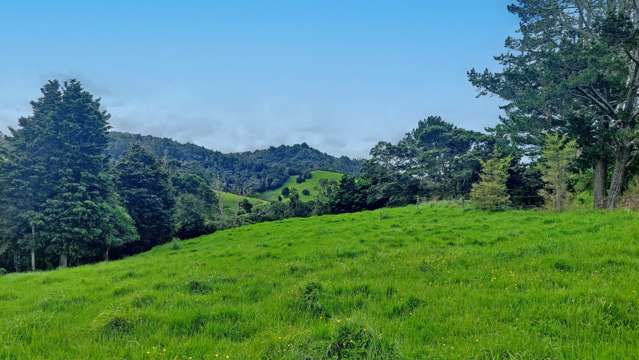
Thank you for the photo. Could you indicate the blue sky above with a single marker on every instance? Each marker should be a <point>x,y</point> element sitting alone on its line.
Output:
<point>243,75</point>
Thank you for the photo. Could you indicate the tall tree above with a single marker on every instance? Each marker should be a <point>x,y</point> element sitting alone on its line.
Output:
<point>28,182</point>
<point>445,158</point>
<point>573,69</point>
<point>144,186</point>
<point>76,141</point>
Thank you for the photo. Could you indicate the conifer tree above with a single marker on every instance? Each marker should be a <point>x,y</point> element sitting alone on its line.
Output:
<point>76,141</point>
<point>145,188</point>
<point>557,156</point>
<point>490,192</point>
<point>27,181</point>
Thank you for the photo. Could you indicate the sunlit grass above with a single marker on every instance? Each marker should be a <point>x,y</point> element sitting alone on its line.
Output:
<point>311,185</point>
<point>410,283</point>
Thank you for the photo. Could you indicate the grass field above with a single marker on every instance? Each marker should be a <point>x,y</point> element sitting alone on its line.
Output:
<point>311,185</point>
<point>230,200</point>
<point>428,282</point>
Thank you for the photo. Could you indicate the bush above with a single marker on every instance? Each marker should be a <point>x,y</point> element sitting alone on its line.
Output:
<point>491,193</point>
<point>306,192</point>
<point>3,271</point>
<point>630,198</point>
<point>286,192</point>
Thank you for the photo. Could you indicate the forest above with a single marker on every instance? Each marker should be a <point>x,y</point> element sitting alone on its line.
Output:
<point>74,192</point>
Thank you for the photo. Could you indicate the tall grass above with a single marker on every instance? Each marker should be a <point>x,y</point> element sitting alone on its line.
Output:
<point>419,282</point>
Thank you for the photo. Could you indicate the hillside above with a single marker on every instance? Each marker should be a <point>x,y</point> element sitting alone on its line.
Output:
<point>407,283</point>
<point>230,201</point>
<point>312,185</point>
<point>253,171</point>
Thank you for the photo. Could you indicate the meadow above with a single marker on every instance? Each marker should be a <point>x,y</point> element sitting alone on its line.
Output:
<point>230,201</point>
<point>312,185</point>
<point>420,282</point>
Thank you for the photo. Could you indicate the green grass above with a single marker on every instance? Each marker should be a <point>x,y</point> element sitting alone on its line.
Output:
<point>428,282</point>
<point>311,185</point>
<point>230,200</point>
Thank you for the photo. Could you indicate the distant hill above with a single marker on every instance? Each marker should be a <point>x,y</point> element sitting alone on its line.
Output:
<point>245,172</point>
<point>312,185</point>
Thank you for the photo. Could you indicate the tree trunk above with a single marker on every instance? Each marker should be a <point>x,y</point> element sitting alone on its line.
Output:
<point>618,177</point>
<point>63,260</point>
<point>33,244</point>
<point>599,182</point>
<point>106,255</point>
<point>16,261</point>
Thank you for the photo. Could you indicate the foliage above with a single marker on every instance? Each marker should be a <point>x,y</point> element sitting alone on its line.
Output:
<point>556,159</point>
<point>630,198</point>
<point>573,70</point>
<point>243,173</point>
<point>491,285</point>
<point>349,196</point>
<point>143,183</point>
<point>55,180</point>
<point>490,192</point>
<point>446,159</point>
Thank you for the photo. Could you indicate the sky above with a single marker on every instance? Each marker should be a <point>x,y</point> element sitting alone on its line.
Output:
<point>244,75</point>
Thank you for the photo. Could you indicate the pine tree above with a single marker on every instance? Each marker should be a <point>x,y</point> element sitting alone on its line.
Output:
<point>490,192</point>
<point>27,177</point>
<point>557,156</point>
<point>76,138</point>
<point>144,186</point>
<point>56,178</point>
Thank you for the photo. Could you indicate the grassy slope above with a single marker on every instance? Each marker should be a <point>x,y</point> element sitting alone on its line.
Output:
<point>310,184</point>
<point>416,282</point>
<point>230,200</point>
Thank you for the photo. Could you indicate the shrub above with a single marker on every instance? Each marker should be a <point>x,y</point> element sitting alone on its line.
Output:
<point>306,192</point>
<point>3,271</point>
<point>491,193</point>
<point>175,244</point>
<point>630,198</point>
<point>286,191</point>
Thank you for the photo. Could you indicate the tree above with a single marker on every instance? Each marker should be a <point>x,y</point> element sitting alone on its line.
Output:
<point>557,156</point>
<point>77,159</point>
<point>286,191</point>
<point>120,228</point>
<point>144,186</point>
<point>26,174</point>
<point>191,217</point>
<point>349,196</point>
<point>246,206</point>
<point>490,192</point>
<point>573,70</point>
<point>445,159</point>
<point>56,175</point>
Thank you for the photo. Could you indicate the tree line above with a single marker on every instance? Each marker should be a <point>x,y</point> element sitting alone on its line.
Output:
<point>62,201</point>
<point>241,173</point>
